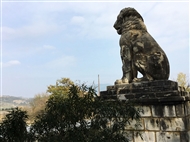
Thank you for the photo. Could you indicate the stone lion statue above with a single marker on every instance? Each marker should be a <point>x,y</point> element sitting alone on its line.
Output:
<point>139,50</point>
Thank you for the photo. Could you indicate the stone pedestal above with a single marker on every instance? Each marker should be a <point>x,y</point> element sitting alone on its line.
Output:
<point>166,106</point>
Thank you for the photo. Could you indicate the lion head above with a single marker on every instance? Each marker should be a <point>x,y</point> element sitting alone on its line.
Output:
<point>127,17</point>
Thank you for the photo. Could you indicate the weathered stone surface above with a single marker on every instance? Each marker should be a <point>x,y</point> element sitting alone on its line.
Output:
<point>169,111</point>
<point>188,123</point>
<point>121,97</point>
<point>172,124</point>
<point>146,86</point>
<point>163,111</point>
<point>135,125</point>
<point>146,111</point>
<point>184,137</point>
<point>157,110</point>
<point>180,110</point>
<point>146,137</point>
<point>129,135</point>
<point>146,92</point>
<point>152,123</point>
<point>167,137</point>
<point>183,92</point>
<point>187,108</point>
<point>139,50</point>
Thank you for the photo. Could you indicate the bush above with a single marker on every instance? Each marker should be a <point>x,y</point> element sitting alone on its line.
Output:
<point>85,119</point>
<point>79,117</point>
<point>13,127</point>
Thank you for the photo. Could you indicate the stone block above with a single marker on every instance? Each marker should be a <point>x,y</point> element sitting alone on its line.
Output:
<point>152,123</point>
<point>188,94</point>
<point>172,124</point>
<point>163,111</point>
<point>146,111</point>
<point>167,137</point>
<point>141,95</point>
<point>157,110</point>
<point>169,111</point>
<point>130,96</point>
<point>184,137</point>
<point>129,135</point>
<point>121,97</point>
<point>135,125</point>
<point>188,123</point>
<point>166,94</point>
<point>146,137</point>
<point>187,108</point>
<point>180,110</point>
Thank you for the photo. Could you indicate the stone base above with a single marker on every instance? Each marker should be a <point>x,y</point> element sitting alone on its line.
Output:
<point>158,91</point>
<point>166,106</point>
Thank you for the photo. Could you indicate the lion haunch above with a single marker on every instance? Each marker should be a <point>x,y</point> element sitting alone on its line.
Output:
<point>139,50</point>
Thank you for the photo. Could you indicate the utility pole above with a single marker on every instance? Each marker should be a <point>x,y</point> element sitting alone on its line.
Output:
<point>98,85</point>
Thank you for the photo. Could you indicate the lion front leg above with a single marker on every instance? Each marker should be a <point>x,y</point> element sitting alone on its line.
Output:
<point>127,69</point>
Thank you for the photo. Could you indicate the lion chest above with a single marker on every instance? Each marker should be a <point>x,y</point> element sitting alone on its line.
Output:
<point>130,37</point>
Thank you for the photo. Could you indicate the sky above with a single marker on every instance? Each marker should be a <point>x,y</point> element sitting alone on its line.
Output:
<point>43,41</point>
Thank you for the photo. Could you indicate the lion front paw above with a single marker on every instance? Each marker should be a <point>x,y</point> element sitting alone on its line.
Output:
<point>122,81</point>
<point>125,81</point>
<point>118,81</point>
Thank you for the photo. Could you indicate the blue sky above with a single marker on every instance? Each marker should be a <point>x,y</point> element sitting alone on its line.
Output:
<point>46,41</point>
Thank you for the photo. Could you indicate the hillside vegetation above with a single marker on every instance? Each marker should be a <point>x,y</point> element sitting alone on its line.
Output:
<point>11,102</point>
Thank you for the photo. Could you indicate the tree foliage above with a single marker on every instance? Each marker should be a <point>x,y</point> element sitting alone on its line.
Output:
<point>13,127</point>
<point>73,113</point>
<point>37,105</point>
<point>183,81</point>
<point>61,87</point>
<point>86,119</point>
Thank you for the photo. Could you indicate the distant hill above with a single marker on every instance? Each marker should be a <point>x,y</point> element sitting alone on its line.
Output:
<point>12,101</point>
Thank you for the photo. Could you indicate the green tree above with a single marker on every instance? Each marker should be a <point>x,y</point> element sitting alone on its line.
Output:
<point>83,119</point>
<point>13,127</point>
<point>61,87</point>
<point>37,105</point>
<point>183,81</point>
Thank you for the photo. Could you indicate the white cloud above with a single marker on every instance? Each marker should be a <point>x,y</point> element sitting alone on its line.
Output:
<point>33,30</point>
<point>10,63</point>
<point>100,23</point>
<point>167,19</point>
